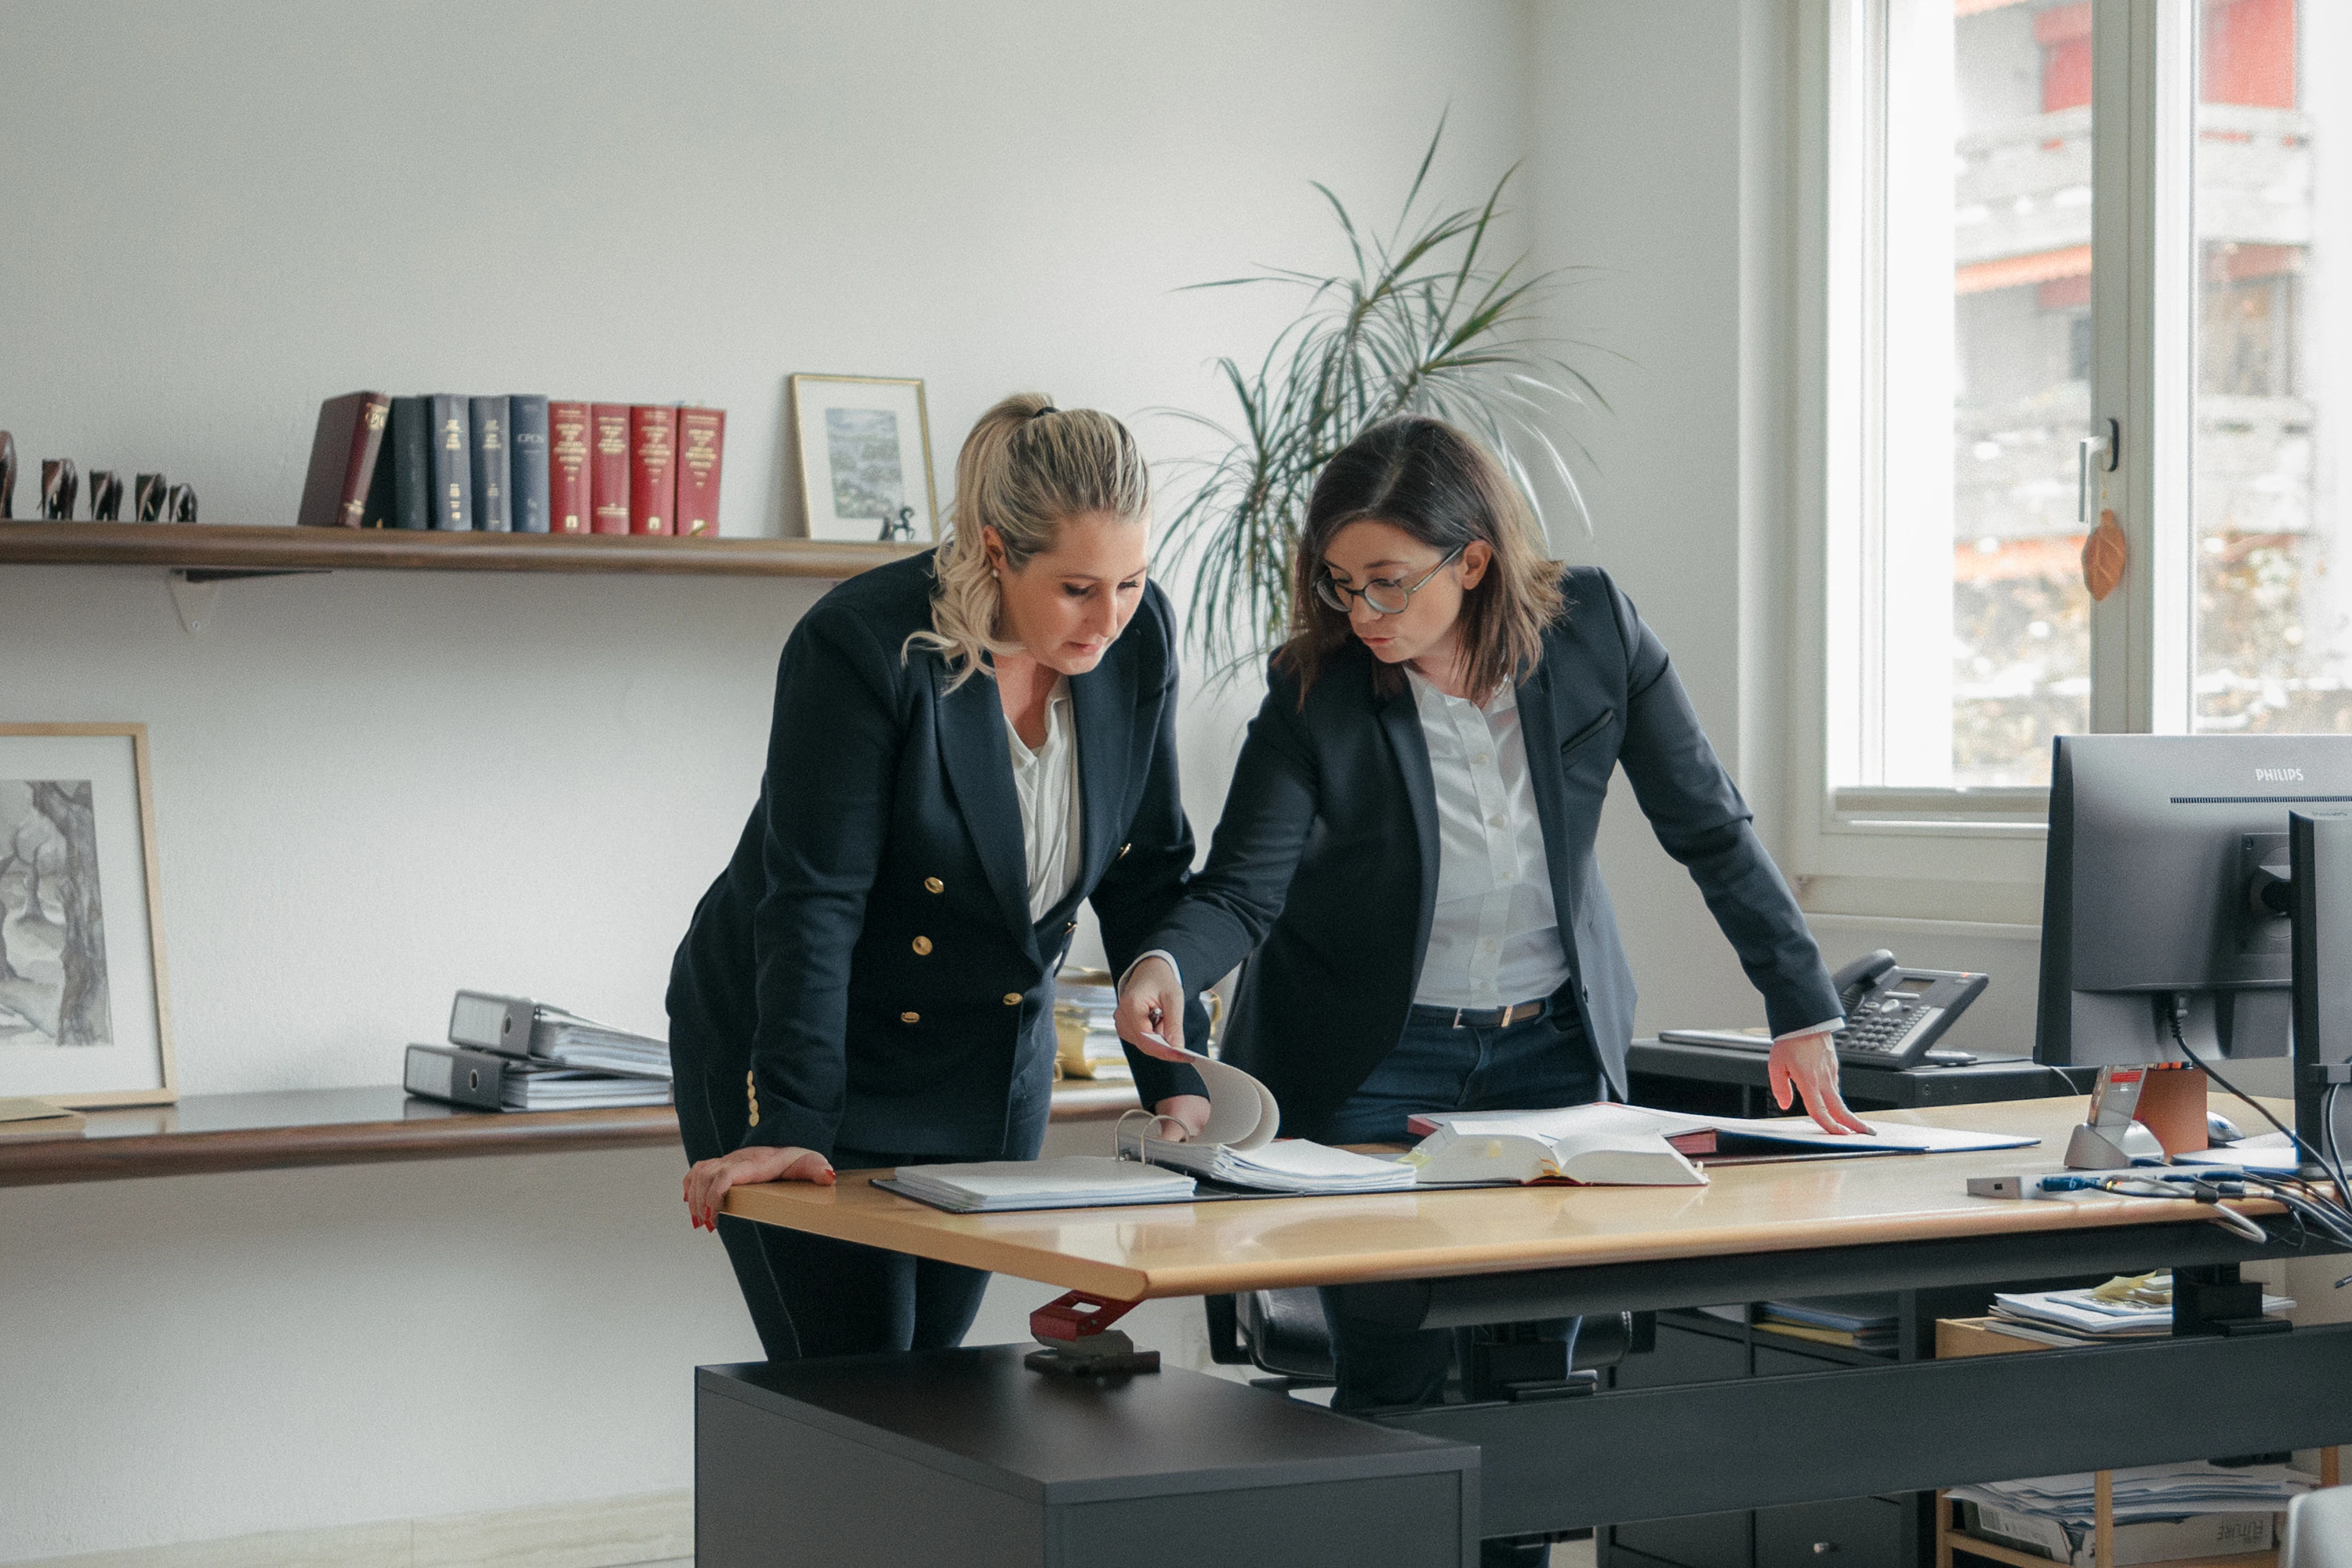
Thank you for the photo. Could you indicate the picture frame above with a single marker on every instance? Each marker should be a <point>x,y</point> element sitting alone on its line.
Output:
<point>84,1014</point>
<point>857,443</point>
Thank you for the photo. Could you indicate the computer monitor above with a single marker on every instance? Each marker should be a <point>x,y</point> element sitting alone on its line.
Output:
<point>2168,881</point>
<point>2320,860</point>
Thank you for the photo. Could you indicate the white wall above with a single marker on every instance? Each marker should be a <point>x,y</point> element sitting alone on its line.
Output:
<point>1640,139</point>
<point>371,789</point>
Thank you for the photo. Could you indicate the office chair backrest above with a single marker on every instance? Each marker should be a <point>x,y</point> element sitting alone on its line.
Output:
<point>2319,1531</point>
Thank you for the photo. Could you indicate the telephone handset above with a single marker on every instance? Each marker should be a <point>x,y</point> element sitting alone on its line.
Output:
<point>1893,1014</point>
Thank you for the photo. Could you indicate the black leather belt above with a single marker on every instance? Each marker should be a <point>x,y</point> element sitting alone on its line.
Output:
<point>1484,1017</point>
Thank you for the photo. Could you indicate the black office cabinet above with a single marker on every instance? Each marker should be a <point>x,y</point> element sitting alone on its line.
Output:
<point>1848,1533</point>
<point>1694,1347</point>
<point>965,1456</point>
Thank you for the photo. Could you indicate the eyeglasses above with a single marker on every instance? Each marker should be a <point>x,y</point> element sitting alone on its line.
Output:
<point>1385,596</point>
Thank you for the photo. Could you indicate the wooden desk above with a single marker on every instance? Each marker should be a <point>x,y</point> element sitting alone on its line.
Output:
<point>1192,1249</point>
<point>283,1129</point>
<point>1445,1258</point>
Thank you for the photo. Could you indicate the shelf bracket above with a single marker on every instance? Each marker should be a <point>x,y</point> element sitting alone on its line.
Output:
<point>232,573</point>
<point>195,590</point>
<point>194,600</point>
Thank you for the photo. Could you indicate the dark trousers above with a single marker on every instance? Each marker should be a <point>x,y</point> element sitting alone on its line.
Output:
<point>813,1296</point>
<point>1534,1065</point>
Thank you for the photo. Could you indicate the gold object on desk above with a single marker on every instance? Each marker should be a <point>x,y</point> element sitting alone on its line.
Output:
<point>922,947</point>
<point>1192,1249</point>
<point>933,885</point>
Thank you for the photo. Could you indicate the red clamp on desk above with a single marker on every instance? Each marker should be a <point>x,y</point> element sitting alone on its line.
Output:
<point>1075,1315</point>
<point>1075,1330</point>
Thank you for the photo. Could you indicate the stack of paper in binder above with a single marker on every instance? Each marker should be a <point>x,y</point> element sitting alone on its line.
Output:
<point>2162,1511</point>
<point>509,1053</point>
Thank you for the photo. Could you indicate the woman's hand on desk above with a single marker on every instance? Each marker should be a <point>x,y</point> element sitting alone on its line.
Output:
<point>706,1182</point>
<point>1808,1064</point>
<point>1151,1002</point>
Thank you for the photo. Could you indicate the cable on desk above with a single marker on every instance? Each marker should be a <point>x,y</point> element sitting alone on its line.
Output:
<point>2338,1221</point>
<point>2210,1194</point>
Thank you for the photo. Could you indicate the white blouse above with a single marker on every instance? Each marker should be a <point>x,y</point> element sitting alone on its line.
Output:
<point>1494,936</point>
<point>1051,821</point>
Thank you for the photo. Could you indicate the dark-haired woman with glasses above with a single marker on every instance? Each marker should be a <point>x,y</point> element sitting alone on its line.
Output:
<point>1406,853</point>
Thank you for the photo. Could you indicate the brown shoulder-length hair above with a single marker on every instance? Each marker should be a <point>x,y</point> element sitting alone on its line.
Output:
<point>1442,487</point>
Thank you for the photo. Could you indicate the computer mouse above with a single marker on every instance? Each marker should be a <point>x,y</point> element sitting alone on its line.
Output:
<point>2220,1129</point>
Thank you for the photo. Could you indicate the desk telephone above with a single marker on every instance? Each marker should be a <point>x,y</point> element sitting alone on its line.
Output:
<point>1892,1015</point>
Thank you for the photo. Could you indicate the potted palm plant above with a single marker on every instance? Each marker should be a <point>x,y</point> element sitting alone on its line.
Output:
<point>1424,323</point>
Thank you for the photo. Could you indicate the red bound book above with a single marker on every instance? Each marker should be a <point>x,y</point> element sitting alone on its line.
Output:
<point>653,468</point>
<point>342,460</point>
<point>608,467</point>
<point>570,496</point>
<point>702,438</point>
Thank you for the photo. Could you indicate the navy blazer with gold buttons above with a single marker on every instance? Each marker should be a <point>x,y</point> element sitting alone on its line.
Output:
<point>1326,858</point>
<point>865,970</point>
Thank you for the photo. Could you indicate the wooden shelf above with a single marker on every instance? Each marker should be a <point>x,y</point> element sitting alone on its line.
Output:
<point>207,1134</point>
<point>211,547</point>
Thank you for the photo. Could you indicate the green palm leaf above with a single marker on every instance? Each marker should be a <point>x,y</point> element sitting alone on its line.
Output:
<point>1423,324</point>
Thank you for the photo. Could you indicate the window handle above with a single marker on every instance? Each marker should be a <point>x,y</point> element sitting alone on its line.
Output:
<point>2106,450</point>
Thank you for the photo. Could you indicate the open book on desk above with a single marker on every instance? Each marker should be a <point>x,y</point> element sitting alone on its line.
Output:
<point>1238,1146</point>
<point>1637,1145</point>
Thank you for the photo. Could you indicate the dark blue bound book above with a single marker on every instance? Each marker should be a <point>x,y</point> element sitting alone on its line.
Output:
<point>408,453</point>
<point>527,461</point>
<point>453,463</point>
<point>491,513</point>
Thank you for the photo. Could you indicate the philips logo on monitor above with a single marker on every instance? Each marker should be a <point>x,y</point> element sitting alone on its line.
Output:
<point>2278,776</point>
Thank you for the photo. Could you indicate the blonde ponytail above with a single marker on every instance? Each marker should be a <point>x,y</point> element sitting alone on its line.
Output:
<point>1026,468</point>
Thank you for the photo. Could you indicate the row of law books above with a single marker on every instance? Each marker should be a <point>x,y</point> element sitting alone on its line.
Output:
<point>510,1053</point>
<point>521,463</point>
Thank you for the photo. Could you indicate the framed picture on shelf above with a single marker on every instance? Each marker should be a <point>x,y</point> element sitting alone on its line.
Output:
<point>84,1016</point>
<point>864,450</point>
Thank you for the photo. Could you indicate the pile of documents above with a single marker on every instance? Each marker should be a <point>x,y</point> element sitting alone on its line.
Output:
<point>1072,1180</point>
<point>1086,1033</point>
<point>2127,1308</point>
<point>1638,1145</point>
<point>1864,1322</point>
<point>2162,1511</point>
<point>509,1053</point>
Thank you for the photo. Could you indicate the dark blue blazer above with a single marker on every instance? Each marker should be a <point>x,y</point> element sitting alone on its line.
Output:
<point>1324,861</point>
<point>865,973</point>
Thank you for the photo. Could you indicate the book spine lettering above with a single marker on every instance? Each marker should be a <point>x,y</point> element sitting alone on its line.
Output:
<point>701,441</point>
<point>342,460</point>
<point>568,492</point>
<point>527,461</point>
<point>408,453</point>
<point>608,467</point>
<point>653,468</point>
<point>453,464</point>
<point>492,472</point>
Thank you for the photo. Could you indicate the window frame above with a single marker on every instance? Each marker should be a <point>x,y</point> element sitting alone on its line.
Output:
<point>1974,853</point>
